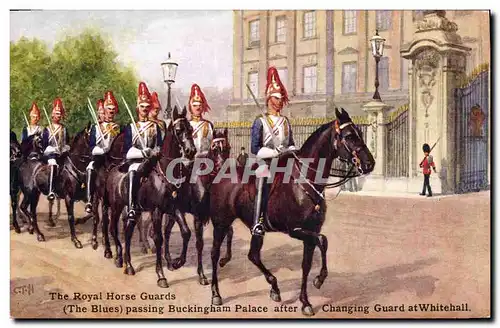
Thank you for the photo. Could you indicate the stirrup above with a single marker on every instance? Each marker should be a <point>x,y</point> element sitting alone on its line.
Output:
<point>258,229</point>
<point>131,214</point>
<point>51,196</point>
<point>88,208</point>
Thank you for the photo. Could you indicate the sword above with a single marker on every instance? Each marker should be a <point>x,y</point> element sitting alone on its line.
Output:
<point>273,136</point>
<point>143,144</point>
<point>50,126</point>
<point>94,117</point>
<point>27,123</point>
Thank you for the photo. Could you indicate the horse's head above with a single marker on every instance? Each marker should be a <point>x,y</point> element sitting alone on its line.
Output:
<point>183,132</point>
<point>220,148</point>
<point>80,144</point>
<point>32,145</point>
<point>349,143</point>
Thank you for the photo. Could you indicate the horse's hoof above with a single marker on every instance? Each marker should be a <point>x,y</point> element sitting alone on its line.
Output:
<point>119,263</point>
<point>203,281</point>
<point>31,230</point>
<point>95,244</point>
<point>108,254</point>
<point>224,261</point>
<point>162,283</point>
<point>129,271</point>
<point>308,311</point>
<point>170,267</point>
<point>77,243</point>
<point>51,224</point>
<point>178,263</point>
<point>275,296</point>
<point>318,282</point>
<point>144,250</point>
<point>40,237</point>
<point>216,300</point>
<point>17,230</point>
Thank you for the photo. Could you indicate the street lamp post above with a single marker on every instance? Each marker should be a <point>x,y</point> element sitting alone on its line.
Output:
<point>169,69</point>
<point>377,43</point>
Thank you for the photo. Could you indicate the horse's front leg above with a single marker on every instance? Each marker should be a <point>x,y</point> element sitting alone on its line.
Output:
<point>167,233</point>
<point>156,218</point>
<point>198,228</point>
<point>322,242</point>
<point>105,230</point>
<point>13,203</point>
<point>229,252</point>
<point>254,257</point>
<point>70,204</point>
<point>219,233</point>
<point>186,235</point>
<point>51,222</point>
<point>95,215</point>
<point>306,268</point>
<point>129,225</point>
<point>24,210</point>
<point>34,197</point>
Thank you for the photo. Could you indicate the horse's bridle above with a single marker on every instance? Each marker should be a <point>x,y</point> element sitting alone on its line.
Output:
<point>355,158</point>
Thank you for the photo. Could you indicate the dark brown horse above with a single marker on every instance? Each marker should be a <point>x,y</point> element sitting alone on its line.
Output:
<point>15,161</point>
<point>69,184</point>
<point>296,208</point>
<point>155,193</point>
<point>194,199</point>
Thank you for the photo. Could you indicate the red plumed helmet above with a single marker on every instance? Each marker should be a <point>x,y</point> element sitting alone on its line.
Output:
<point>110,101</point>
<point>58,107</point>
<point>198,98</point>
<point>155,100</point>
<point>100,104</point>
<point>34,110</point>
<point>274,87</point>
<point>143,95</point>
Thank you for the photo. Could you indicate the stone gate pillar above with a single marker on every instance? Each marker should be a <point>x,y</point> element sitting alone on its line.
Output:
<point>437,64</point>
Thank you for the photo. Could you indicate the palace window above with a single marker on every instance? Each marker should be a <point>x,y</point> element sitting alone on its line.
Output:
<point>283,73</point>
<point>309,79</point>
<point>383,19</point>
<point>350,21</point>
<point>349,77</point>
<point>254,33</point>
<point>280,29</point>
<point>309,24</point>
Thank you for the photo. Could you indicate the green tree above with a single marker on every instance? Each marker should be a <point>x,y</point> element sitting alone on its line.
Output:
<point>78,67</point>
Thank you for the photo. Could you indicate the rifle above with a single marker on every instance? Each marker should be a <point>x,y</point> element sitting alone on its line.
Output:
<point>422,162</point>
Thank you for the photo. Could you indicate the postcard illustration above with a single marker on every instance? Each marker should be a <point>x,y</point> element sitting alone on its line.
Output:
<point>250,164</point>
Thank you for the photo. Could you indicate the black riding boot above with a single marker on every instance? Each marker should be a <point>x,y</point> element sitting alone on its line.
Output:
<point>90,191</point>
<point>51,196</point>
<point>259,211</point>
<point>132,195</point>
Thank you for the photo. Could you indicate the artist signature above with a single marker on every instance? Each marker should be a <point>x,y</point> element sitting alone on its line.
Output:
<point>27,289</point>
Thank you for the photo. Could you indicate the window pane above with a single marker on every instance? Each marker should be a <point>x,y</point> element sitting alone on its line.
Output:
<point>350,21</point>
<point>253,83</point>
<point>280,29</point>
<point>254,31</point>
<point>349,77</point>
<point>383,73</point>
<point>383,19</point>
<point>283,73</point>
<point>310,79</point>
<point>309,24</point>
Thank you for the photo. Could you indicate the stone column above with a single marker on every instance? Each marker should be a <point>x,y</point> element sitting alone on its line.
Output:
<point>375,139</point>
<point>437,64</point>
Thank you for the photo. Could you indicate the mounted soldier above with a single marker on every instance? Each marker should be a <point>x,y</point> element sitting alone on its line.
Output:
<point>55,141</point>
<point>155,110</point>
<point>101,137</point>
<point>142,140</point>
<point>271,135</point>
<point>101,113</point>
<point>33,127</point>
<point>202,129</point>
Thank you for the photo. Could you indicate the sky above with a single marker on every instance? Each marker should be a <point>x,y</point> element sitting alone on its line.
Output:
<point>200,41</point>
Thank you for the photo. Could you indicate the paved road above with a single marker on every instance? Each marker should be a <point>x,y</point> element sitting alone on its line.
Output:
<point>385,253</point>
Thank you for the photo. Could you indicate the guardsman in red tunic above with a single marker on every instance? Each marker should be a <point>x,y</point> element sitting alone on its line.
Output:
<point>203,129</point>
<point>426,165</point>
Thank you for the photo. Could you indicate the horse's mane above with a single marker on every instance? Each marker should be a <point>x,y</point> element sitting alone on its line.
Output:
<point>313,138</point>
<point>79,135</point>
